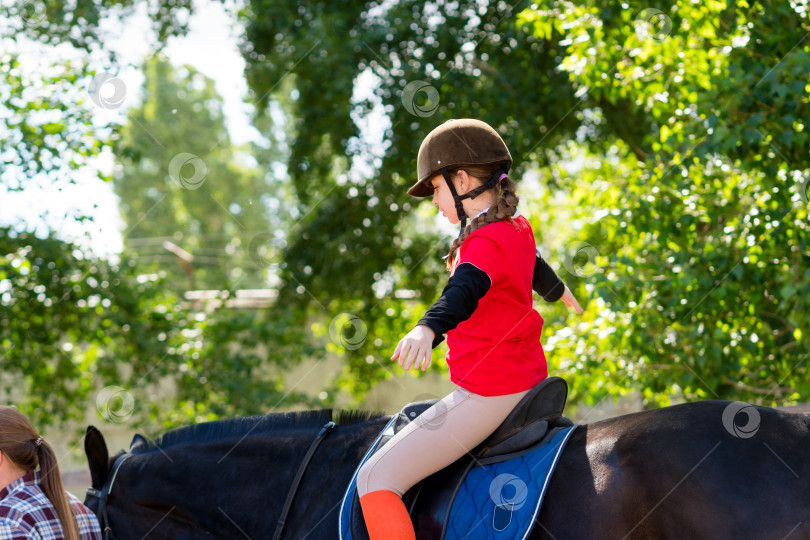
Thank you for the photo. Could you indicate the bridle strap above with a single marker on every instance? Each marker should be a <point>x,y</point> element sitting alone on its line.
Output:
<point>456,199</point>
<point>472,194</point>
<point>102,495</point>
<point>325,430</point>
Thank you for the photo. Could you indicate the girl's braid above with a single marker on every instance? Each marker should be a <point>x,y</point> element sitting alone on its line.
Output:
<point>503,210</point>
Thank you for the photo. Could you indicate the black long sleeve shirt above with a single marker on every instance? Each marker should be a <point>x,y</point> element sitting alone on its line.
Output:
<point>546,282</point>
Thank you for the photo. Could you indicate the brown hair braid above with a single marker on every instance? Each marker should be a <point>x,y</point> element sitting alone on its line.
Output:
<point>502,210</point>
<point>18,442</point>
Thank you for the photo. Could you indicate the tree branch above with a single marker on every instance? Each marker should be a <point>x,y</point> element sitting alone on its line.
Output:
<point>777,391</point>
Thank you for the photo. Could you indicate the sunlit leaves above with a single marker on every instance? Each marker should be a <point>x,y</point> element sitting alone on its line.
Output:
<point>47,123</point>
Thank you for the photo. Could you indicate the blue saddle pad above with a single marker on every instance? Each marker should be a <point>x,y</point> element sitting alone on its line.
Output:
<point>498,501</point>
<point>501,501</point>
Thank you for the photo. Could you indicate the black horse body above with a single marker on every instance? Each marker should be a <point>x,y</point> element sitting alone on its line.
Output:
<point>676,472</point>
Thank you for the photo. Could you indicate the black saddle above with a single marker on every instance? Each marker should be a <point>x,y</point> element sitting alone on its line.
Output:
<point>533,422</point>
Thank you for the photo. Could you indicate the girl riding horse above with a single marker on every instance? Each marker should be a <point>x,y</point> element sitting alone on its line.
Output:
<point>493,332</point>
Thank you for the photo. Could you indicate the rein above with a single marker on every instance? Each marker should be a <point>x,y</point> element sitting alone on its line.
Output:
<point>325,430</point>
<point>102,495</point>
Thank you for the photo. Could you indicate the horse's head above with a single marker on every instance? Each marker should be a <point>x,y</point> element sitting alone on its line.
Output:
<point>103,472</point>
<point>99,462</point>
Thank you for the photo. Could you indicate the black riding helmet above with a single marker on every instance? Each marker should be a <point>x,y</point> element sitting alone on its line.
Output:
<point>455,144</point>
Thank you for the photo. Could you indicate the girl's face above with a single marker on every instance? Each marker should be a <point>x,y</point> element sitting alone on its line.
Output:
<point>443,198</point>
<point>463,183</point>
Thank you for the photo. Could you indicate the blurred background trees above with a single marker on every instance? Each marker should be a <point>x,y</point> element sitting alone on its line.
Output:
<point>212,210</point>
<point>661,149</point>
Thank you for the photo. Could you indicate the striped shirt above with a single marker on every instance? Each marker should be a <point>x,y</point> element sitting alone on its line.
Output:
<point>25,512</point>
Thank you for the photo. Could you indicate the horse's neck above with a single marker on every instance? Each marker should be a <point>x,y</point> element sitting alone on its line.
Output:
<point>338,454</point>
<point>326,475</point>
<point>257,468</point>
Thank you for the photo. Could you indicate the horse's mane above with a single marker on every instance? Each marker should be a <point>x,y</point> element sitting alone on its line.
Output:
<point>244,425</point>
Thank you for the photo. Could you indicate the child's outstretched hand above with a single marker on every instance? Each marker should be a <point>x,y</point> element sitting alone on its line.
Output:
<point>570,301</point>
<point>415,347</point>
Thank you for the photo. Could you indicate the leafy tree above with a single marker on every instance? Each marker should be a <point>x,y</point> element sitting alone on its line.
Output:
<point>55,22</point>
<point>78,331</point>
<point>61,312</point>
<point>47,128</point>
<point>699,124</point>
<point>702,226</point>
<point>96,332</point>
<point>181,182</point>
<point>671,145</point>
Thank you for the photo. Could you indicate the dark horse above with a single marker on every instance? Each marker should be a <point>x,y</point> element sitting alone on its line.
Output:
<point>711,469</point>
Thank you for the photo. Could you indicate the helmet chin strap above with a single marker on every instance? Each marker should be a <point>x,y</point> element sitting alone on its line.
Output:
<point>472,194</point>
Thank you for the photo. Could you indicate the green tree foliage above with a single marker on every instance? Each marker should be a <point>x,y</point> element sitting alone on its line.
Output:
<point>46,127</point>
<point>46,110</point>
<point>78,331</point>
<point>669,140</point>
<point>703,221</point>
<point>676,132</point>
<point>180,181</point>
<point>56,22</point>
<point>69,321</point>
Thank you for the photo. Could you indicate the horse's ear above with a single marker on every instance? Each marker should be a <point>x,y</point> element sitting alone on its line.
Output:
<point>138,441</point>
<point>98,458</point>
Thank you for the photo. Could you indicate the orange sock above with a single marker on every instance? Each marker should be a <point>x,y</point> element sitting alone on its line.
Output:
<point>386,516</point>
